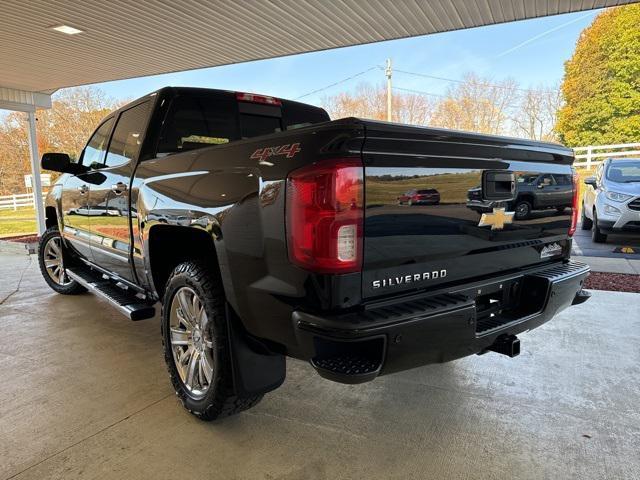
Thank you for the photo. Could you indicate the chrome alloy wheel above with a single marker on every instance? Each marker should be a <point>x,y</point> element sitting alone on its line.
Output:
<point>53,262</point>
<point>191,342</point>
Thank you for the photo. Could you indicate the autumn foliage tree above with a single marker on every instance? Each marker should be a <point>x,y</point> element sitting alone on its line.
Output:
<point>75,113</point>
<point>601,86</point>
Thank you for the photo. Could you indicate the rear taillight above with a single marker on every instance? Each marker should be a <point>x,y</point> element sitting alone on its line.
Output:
<point>574,205</point>
<point>325,213</point>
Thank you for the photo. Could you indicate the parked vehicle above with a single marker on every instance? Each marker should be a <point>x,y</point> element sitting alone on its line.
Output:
<point>429,196</point>
<point>266,231</point>
<point>533,191</point>
<point>611,199</point>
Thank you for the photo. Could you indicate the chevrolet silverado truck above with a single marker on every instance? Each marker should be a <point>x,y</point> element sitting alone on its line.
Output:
<point>267,231</point>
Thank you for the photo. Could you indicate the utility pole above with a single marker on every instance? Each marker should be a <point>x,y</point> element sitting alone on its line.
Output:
<point>388,74</point>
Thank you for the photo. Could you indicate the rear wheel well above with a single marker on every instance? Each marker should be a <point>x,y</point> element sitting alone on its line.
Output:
<point>51,217</point>
<point>171,245</point>
<point>526,197</point>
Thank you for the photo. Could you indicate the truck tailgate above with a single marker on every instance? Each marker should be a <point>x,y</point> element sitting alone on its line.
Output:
<point>422,242</point>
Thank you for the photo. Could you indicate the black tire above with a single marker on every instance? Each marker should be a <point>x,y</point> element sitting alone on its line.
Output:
<point>69,287</point>
<point>596,235</point>
<point>522,209</point>
<point>585,222</point>
<point>220,399</point>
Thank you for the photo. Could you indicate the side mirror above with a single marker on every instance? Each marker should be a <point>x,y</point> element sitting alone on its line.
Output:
<point>59,162</point>
<point>541,185</point>
<point>591,181</point>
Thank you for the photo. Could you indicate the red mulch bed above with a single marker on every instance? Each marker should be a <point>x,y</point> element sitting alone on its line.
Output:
<point>22,239</point>
<point>617,282</point>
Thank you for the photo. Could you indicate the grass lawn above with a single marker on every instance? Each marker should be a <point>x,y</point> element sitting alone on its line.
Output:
<point>452,187</point>
<point>17,222</point>
<point>23,221</point>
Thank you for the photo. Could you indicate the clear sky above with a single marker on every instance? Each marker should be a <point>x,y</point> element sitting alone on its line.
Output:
<point>532,52</point>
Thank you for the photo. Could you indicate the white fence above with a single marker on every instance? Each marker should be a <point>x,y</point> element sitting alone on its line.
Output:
<point>591,156</point>
<point>16,201</point>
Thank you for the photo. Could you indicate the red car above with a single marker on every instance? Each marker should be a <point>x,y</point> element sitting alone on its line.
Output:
<point>429,196</point>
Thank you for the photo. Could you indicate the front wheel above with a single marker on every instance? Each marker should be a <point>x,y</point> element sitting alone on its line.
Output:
<point>596,234</point>
<point>522,209</point>
<point>196,347</point>
<point>585,222</point>
<point>50,258</point>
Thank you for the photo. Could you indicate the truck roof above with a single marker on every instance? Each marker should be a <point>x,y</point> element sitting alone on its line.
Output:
<point>172,91</point>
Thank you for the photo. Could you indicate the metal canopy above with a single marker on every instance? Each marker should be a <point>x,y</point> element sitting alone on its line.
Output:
<point>124,38</point>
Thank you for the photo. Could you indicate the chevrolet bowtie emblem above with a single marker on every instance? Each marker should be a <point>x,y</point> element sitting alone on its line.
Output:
<point>497,219</point>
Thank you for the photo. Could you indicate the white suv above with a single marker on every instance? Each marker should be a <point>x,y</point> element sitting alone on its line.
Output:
<point>611,200</point>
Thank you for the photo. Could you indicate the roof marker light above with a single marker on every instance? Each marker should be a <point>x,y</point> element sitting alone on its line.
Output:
<point>252,97</point>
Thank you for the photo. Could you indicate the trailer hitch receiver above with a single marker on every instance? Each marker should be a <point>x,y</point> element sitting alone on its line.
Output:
<point>508,345</point>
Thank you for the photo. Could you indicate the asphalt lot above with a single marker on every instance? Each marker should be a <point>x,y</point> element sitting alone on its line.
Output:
<point>85,394</point>
<point>582,245</point>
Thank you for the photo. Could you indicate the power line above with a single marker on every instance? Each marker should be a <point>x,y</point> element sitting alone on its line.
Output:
<point>418,74</point>
<point>422,92</point>
<point>454,80</point>
<point>419,92</point>
<point>338,82</point>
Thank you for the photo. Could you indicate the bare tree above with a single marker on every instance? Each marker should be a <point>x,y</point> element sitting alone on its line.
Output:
<point>537,112</point>
<point>478,105</point>
<point>369,101</point>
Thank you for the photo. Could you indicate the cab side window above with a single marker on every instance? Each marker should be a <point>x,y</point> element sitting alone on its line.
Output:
<point>93,155</point>
<point>546,180</point>
<point>563,180</point>
<point>127,136</point>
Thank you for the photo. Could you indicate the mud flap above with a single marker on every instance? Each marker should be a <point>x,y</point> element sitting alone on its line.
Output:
<point>256,370</point>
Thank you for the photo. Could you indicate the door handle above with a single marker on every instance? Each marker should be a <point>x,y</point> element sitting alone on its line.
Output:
<point>83,189</point>
<point>119,188</point>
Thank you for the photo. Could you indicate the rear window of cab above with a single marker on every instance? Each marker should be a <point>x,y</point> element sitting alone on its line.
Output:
<point>197,121</point>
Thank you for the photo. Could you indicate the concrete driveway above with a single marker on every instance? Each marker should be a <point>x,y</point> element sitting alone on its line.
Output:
<point>84,394</point>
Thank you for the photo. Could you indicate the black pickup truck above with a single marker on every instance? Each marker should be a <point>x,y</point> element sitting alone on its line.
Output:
<point>266,230</point>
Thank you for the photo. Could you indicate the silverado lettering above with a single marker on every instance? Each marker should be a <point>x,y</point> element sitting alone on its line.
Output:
<point>253,261</point>
<point>416,277</point>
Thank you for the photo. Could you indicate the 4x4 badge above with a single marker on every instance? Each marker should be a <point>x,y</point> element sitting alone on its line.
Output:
<point>498,219</point>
